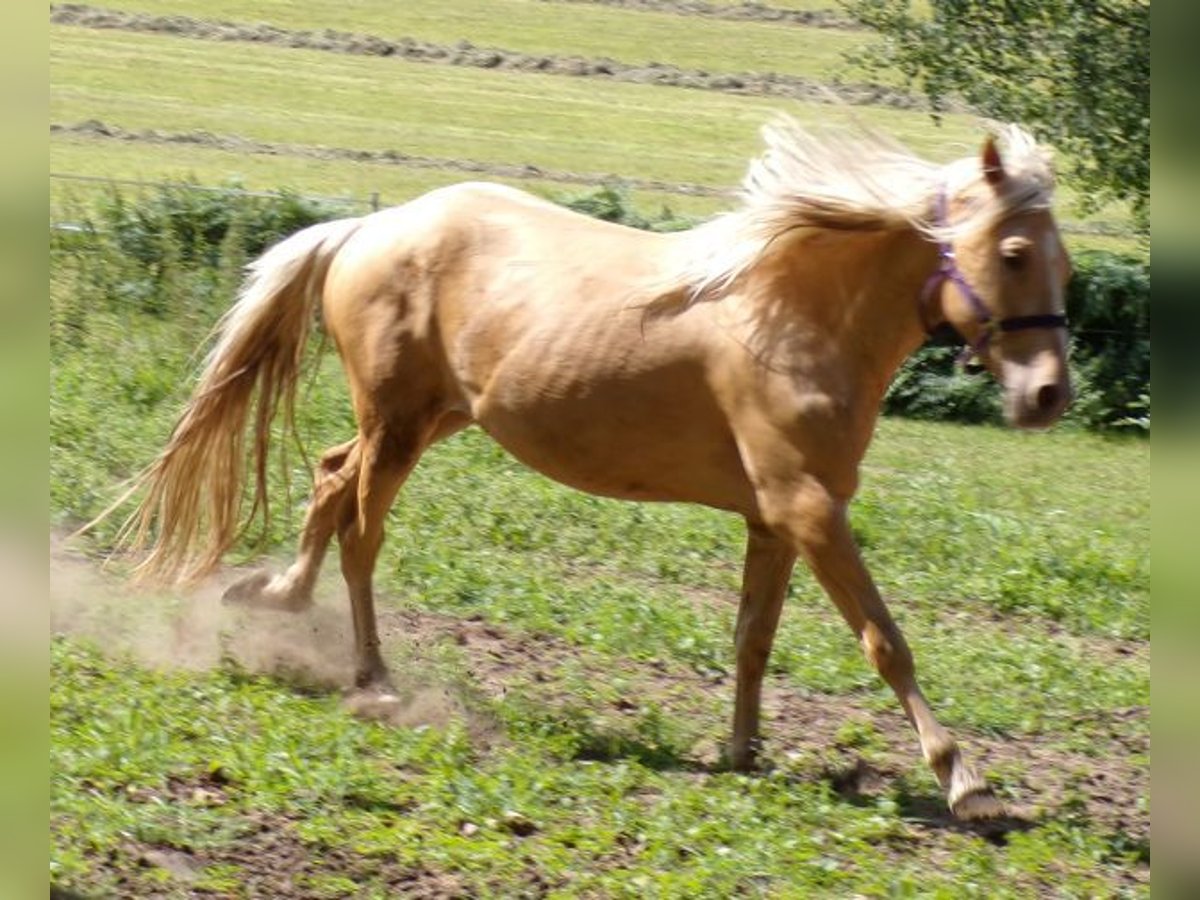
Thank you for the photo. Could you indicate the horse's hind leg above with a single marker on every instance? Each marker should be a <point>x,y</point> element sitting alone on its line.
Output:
<point>387,458</point>
<point>334,485</point>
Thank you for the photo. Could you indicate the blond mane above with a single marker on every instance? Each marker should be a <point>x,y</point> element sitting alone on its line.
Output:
<point>864,182</point>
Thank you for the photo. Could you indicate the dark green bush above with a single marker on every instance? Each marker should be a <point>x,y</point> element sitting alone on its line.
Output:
<point>931,385</point>
<point>1108,304</point>
<point>197,222</point>
<point>612,204</point>
<point>176,250</point>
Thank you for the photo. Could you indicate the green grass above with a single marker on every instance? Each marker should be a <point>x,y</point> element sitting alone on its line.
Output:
<point>1017,564</point>
<point>539,28</point>
<point>312,98</point>
<point>777,4</point>
<point>130,746</point>
<point>308,97</point>
<point>1023,589</point>
<point>354,181</point>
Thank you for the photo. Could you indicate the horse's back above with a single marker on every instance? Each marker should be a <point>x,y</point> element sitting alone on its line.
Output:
<point>482,267</point>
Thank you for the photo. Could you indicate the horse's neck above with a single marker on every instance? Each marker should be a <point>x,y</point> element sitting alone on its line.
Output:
<point>887,299</point>
<point>856,297</point>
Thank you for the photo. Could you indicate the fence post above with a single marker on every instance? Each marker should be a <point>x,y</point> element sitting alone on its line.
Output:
<point>374,201</point>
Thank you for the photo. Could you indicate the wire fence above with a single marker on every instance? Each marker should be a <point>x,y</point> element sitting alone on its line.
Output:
<point>373,202</point>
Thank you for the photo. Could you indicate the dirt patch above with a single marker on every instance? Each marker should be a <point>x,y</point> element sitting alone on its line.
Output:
<point>1038,775</point>
<point>268,860</point>
<point>196,631</point>
<point>464,53</point>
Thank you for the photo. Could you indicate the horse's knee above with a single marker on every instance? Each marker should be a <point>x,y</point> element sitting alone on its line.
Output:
<point>888,652</point>
<point>809,517</point>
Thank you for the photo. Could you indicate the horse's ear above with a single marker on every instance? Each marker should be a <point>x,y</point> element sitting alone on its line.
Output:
<point>993,167</point>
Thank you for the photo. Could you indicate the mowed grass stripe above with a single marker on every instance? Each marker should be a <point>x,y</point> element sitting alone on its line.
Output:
<point>332,178</point>
<point>778,11</point>
<point>802,5</point>
<point>139,81</point>
<point>632,36</point>
<point>466,54</point>
<point>300,96</point>
<point>101,131</point>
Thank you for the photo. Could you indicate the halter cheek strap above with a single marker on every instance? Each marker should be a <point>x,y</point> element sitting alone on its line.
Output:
<point>948,270</point>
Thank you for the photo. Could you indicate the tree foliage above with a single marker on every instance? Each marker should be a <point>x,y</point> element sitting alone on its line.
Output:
<point>1077,72</point>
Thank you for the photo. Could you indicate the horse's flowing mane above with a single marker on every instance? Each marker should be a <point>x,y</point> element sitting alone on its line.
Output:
<point>864,182</point>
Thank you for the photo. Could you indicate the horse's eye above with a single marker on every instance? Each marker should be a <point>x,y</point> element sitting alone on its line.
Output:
<point>1014,252</point>
<point>1014,262</point>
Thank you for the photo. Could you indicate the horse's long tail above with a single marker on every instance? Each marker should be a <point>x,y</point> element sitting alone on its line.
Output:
<point>194,489</point>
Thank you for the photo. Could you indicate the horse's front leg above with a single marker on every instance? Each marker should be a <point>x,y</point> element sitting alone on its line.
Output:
<point>768,567</point>
<point>815,520</point>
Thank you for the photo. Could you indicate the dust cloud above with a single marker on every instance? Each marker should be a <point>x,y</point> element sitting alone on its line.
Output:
<point>194,630</point>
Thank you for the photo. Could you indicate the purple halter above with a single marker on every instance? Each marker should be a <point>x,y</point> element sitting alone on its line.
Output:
<point>948,270</point>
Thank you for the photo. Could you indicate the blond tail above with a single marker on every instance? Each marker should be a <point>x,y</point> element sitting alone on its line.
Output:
<point>194,489</point>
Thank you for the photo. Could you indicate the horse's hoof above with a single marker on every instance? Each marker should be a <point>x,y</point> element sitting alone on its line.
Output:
<point>978,804</point>
<point>378,704</point>
<point>262,591</point>
<point>744,757</point>
<point>247,591</point>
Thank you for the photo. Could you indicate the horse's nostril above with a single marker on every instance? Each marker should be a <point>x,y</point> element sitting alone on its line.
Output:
<point>1047,397</point>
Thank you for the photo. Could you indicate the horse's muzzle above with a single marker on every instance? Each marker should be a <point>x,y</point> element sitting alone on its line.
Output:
<point>1038,404</point>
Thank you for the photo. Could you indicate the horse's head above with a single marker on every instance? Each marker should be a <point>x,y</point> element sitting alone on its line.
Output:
<point>1003,291</point>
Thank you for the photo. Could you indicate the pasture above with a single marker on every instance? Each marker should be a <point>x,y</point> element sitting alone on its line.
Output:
<point>571,659</point>
<point>567,660</point>
<point>164,90</point>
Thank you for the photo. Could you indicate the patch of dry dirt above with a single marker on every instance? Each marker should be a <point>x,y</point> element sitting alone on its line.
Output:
<point>197,631</point>
<point>271,860</point>
<point>1039,774</point>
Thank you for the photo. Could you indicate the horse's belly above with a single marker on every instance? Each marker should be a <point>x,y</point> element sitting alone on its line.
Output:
<point>630,440</point>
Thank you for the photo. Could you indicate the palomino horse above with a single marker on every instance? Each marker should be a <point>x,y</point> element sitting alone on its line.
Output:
<point>739,365</point>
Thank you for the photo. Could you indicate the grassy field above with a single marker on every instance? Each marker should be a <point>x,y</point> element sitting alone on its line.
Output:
<point>534,27</point>
<point>355,182</point>
<point>569,665</point>
<point>307,97</point>
<point>142,81</point>
<point>567,660</point>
